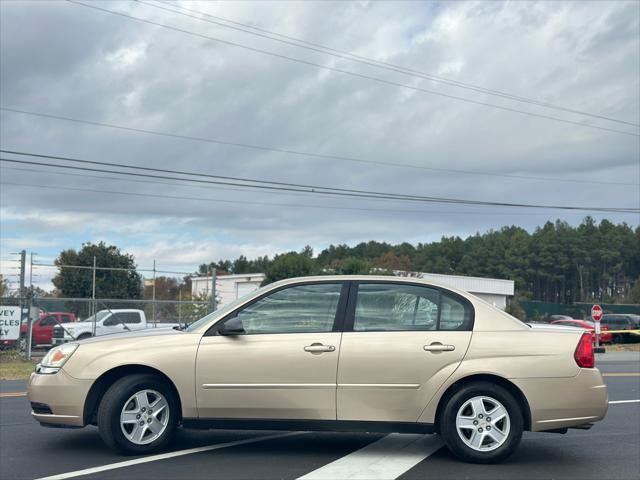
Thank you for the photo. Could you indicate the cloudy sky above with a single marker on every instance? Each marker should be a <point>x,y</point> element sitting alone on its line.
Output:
<point>190,80</point>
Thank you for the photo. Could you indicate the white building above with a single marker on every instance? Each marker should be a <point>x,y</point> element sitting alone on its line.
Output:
<point>228,287</point>
<point>492,290</point>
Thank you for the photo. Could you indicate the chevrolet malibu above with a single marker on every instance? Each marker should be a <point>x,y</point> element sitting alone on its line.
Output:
<point>341,353</point>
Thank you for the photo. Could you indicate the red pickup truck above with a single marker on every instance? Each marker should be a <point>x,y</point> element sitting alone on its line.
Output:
<point>42,329</point>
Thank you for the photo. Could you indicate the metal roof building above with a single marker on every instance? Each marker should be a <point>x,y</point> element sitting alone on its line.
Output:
<point>492,290</point>
<point>228,287</point>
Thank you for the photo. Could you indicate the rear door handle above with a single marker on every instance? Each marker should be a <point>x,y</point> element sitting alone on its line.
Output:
<point>319,348</point>
<point>438,347</point>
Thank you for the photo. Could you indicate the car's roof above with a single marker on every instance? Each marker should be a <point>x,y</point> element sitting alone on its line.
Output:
<point>369,278</point>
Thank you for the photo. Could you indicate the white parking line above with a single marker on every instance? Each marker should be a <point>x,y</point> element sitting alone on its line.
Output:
<point>624,401</point>
<point>385,459</point>
<point>163,456</point>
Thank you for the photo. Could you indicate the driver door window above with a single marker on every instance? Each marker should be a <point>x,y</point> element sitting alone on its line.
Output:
<point>301,309</point>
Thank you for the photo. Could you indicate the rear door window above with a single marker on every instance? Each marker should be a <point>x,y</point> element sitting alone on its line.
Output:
<point>400,307</point>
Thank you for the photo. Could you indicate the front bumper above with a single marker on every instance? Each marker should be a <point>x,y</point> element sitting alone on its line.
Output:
<point>557,403</point>
<point>63,394</point>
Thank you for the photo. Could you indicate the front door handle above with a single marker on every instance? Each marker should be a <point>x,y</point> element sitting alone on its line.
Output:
<point>438,347</point>
<point>319,348</point>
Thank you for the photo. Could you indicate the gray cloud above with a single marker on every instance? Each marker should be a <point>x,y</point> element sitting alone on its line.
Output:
<point>64,59</point>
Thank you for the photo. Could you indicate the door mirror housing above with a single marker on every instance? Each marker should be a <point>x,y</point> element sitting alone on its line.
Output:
<point>233,326</point>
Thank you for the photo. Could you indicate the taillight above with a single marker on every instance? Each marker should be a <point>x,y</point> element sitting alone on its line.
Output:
<point>584,352</point>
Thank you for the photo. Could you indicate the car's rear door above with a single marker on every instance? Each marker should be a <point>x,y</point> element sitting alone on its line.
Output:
<point>400,343</point>
<point>284,364</point>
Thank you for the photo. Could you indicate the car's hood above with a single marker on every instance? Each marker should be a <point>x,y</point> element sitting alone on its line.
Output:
<point>147,332</point>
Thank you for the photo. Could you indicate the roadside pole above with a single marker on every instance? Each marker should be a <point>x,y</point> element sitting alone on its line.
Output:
<point>153,295</point>
<point>23,268</point>
<point>596,315</point>
<point>21,292</point>
<point>213,289</point>
<point>27,349</point>
<point>93,296</point>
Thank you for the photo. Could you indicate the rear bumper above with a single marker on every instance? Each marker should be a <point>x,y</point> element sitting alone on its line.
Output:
<point>565,402</point>
<point>63,394</point>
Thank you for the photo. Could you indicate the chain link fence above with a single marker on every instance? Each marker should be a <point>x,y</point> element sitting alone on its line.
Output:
<point>58,320</point>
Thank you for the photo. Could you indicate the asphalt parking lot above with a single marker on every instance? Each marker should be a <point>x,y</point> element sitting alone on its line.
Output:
<point>610,450</point>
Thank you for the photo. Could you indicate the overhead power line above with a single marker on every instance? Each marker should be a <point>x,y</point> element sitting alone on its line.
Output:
<point>316,47</point>
<point>353,74</point>
<point>265,204</point>
<point>313,155</point>
<point>472,211</point>
<point>283,186</point>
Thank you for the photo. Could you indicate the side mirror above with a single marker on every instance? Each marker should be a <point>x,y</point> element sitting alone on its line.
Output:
<point>233,326</point>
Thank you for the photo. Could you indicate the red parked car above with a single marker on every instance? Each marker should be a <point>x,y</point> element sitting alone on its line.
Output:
<point>42,329</point>
<point>605,337</point>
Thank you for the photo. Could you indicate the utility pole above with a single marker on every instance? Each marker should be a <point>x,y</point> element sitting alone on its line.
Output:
<point>21,292</point>
<point>153,295</point>
<point>27,351</point>
<point>213,289</point>
<point>180,305</point>
<point>93,296</point>
<point>23,261</point>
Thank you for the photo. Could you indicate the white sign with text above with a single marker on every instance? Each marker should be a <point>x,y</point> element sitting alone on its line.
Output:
<point>9,323</point>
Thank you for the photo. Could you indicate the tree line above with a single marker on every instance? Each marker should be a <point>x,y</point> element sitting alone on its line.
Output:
<point>555,263</point>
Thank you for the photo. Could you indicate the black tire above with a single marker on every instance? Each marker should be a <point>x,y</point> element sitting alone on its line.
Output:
<point>84,336</point>
<point>453,439</point>
<point>113,402</point>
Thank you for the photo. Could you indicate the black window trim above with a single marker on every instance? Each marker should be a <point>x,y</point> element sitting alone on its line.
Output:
<point>338,322</point>
<point>353,297</point>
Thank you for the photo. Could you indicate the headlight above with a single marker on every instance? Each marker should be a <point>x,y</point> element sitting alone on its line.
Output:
<point>56,358</point>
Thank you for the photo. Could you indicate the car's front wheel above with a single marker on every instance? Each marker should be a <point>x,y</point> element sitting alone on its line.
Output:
<point>138,414</point>
<point>482,423</point>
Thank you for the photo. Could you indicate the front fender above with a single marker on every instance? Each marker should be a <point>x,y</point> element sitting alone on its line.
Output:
<point>173,355</point>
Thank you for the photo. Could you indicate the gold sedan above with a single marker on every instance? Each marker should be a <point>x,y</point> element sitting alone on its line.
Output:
<point>339,353</point>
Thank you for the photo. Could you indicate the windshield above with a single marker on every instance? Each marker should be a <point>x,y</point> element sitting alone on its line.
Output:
<point>223,311</point>
<point>97,317</point>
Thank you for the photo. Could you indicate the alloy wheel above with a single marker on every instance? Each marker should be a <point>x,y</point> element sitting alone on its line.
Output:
<point>144,417</point>
<point>483,423</point>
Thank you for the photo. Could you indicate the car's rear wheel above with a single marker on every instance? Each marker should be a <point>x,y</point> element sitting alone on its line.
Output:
<point>482,423</point>
<point>138,414</point>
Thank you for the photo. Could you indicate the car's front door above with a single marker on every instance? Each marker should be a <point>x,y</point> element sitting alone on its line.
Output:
<point>42,332</point>
<point>282,363</point>
<point>401,342</point>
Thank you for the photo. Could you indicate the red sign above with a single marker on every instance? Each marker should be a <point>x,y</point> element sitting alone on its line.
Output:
<point>596,313</point>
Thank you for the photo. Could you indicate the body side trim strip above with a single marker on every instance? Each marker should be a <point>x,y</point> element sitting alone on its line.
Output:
<point>242,386</point>
<point>402,386</point>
